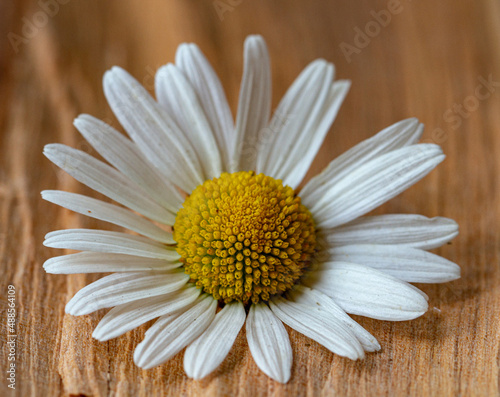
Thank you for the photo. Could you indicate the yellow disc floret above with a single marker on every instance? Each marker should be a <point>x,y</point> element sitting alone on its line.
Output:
<point>244,237</point>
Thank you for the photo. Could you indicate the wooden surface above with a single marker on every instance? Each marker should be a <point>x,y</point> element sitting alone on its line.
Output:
<point>428,60</point>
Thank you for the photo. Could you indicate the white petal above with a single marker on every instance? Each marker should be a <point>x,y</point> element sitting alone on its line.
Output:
<point>254,104</point>
<point>300,123</point>
<point>209,89</point>
<point>269,343</point>
<point>314,298</point>
<point>374,183</point>
<point>316,324</point>
<point>177,96</point>
<point>125,156</point>
<point>404,263</point>
<point>410,230</point>
<point>109,242</point>
<point>306,148</point>
<point>403,133</point>
<point>368,292</point>
<point>109,213</point>
<point>106,180</point>
<point>149,126</point>
<point>98,262</point>
<point>207,352</point>
<point>285,124</point>
<point>128,316</point>
<point>170,334</point>
<point>120,288</point>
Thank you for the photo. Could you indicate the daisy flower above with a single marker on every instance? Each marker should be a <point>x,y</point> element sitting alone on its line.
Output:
<point>221,235</point>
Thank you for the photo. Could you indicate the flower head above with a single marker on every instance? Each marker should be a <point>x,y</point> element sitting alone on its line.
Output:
<point>221,234</point>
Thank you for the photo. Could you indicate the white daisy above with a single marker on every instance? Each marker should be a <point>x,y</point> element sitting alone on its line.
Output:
<point>245,245</point>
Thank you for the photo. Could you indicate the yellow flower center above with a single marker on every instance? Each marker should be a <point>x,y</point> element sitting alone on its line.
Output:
<point>244,237</point>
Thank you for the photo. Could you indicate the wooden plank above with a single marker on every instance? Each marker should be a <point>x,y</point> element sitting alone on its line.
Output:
<point>428,61</point>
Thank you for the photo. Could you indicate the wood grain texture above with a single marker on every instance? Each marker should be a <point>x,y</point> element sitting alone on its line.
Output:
<point>430,58</point>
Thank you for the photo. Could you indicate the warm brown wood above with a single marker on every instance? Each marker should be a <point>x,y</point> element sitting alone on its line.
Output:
<point>430,56</point>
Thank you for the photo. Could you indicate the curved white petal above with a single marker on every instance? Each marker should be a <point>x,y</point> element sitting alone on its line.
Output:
<point>171,333</point>
<point>368,292</point>
<point>177,96</point>
<point>109,213</point>
<point>305,98</point>
<point>149,126</point>
<point>119,288</point>
<point>316,324</point>
<point>317,299</point>
<point>405,263</point>
<point>306,148</point>
<point>105,179</point>
<point>207,352</point>
<point>401,134</point>
<point>98,262</point>
<point>108,242</point>
<point>125,156</point>
<point>300,123</point>
<point>128,316</point>
<point>374,183</point>
<point>254,104</point>
<point>209,89</point>
<point>410,230</point>
<point>269,343</point>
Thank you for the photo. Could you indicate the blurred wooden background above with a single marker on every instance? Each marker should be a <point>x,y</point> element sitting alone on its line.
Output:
<point>428,61</point>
